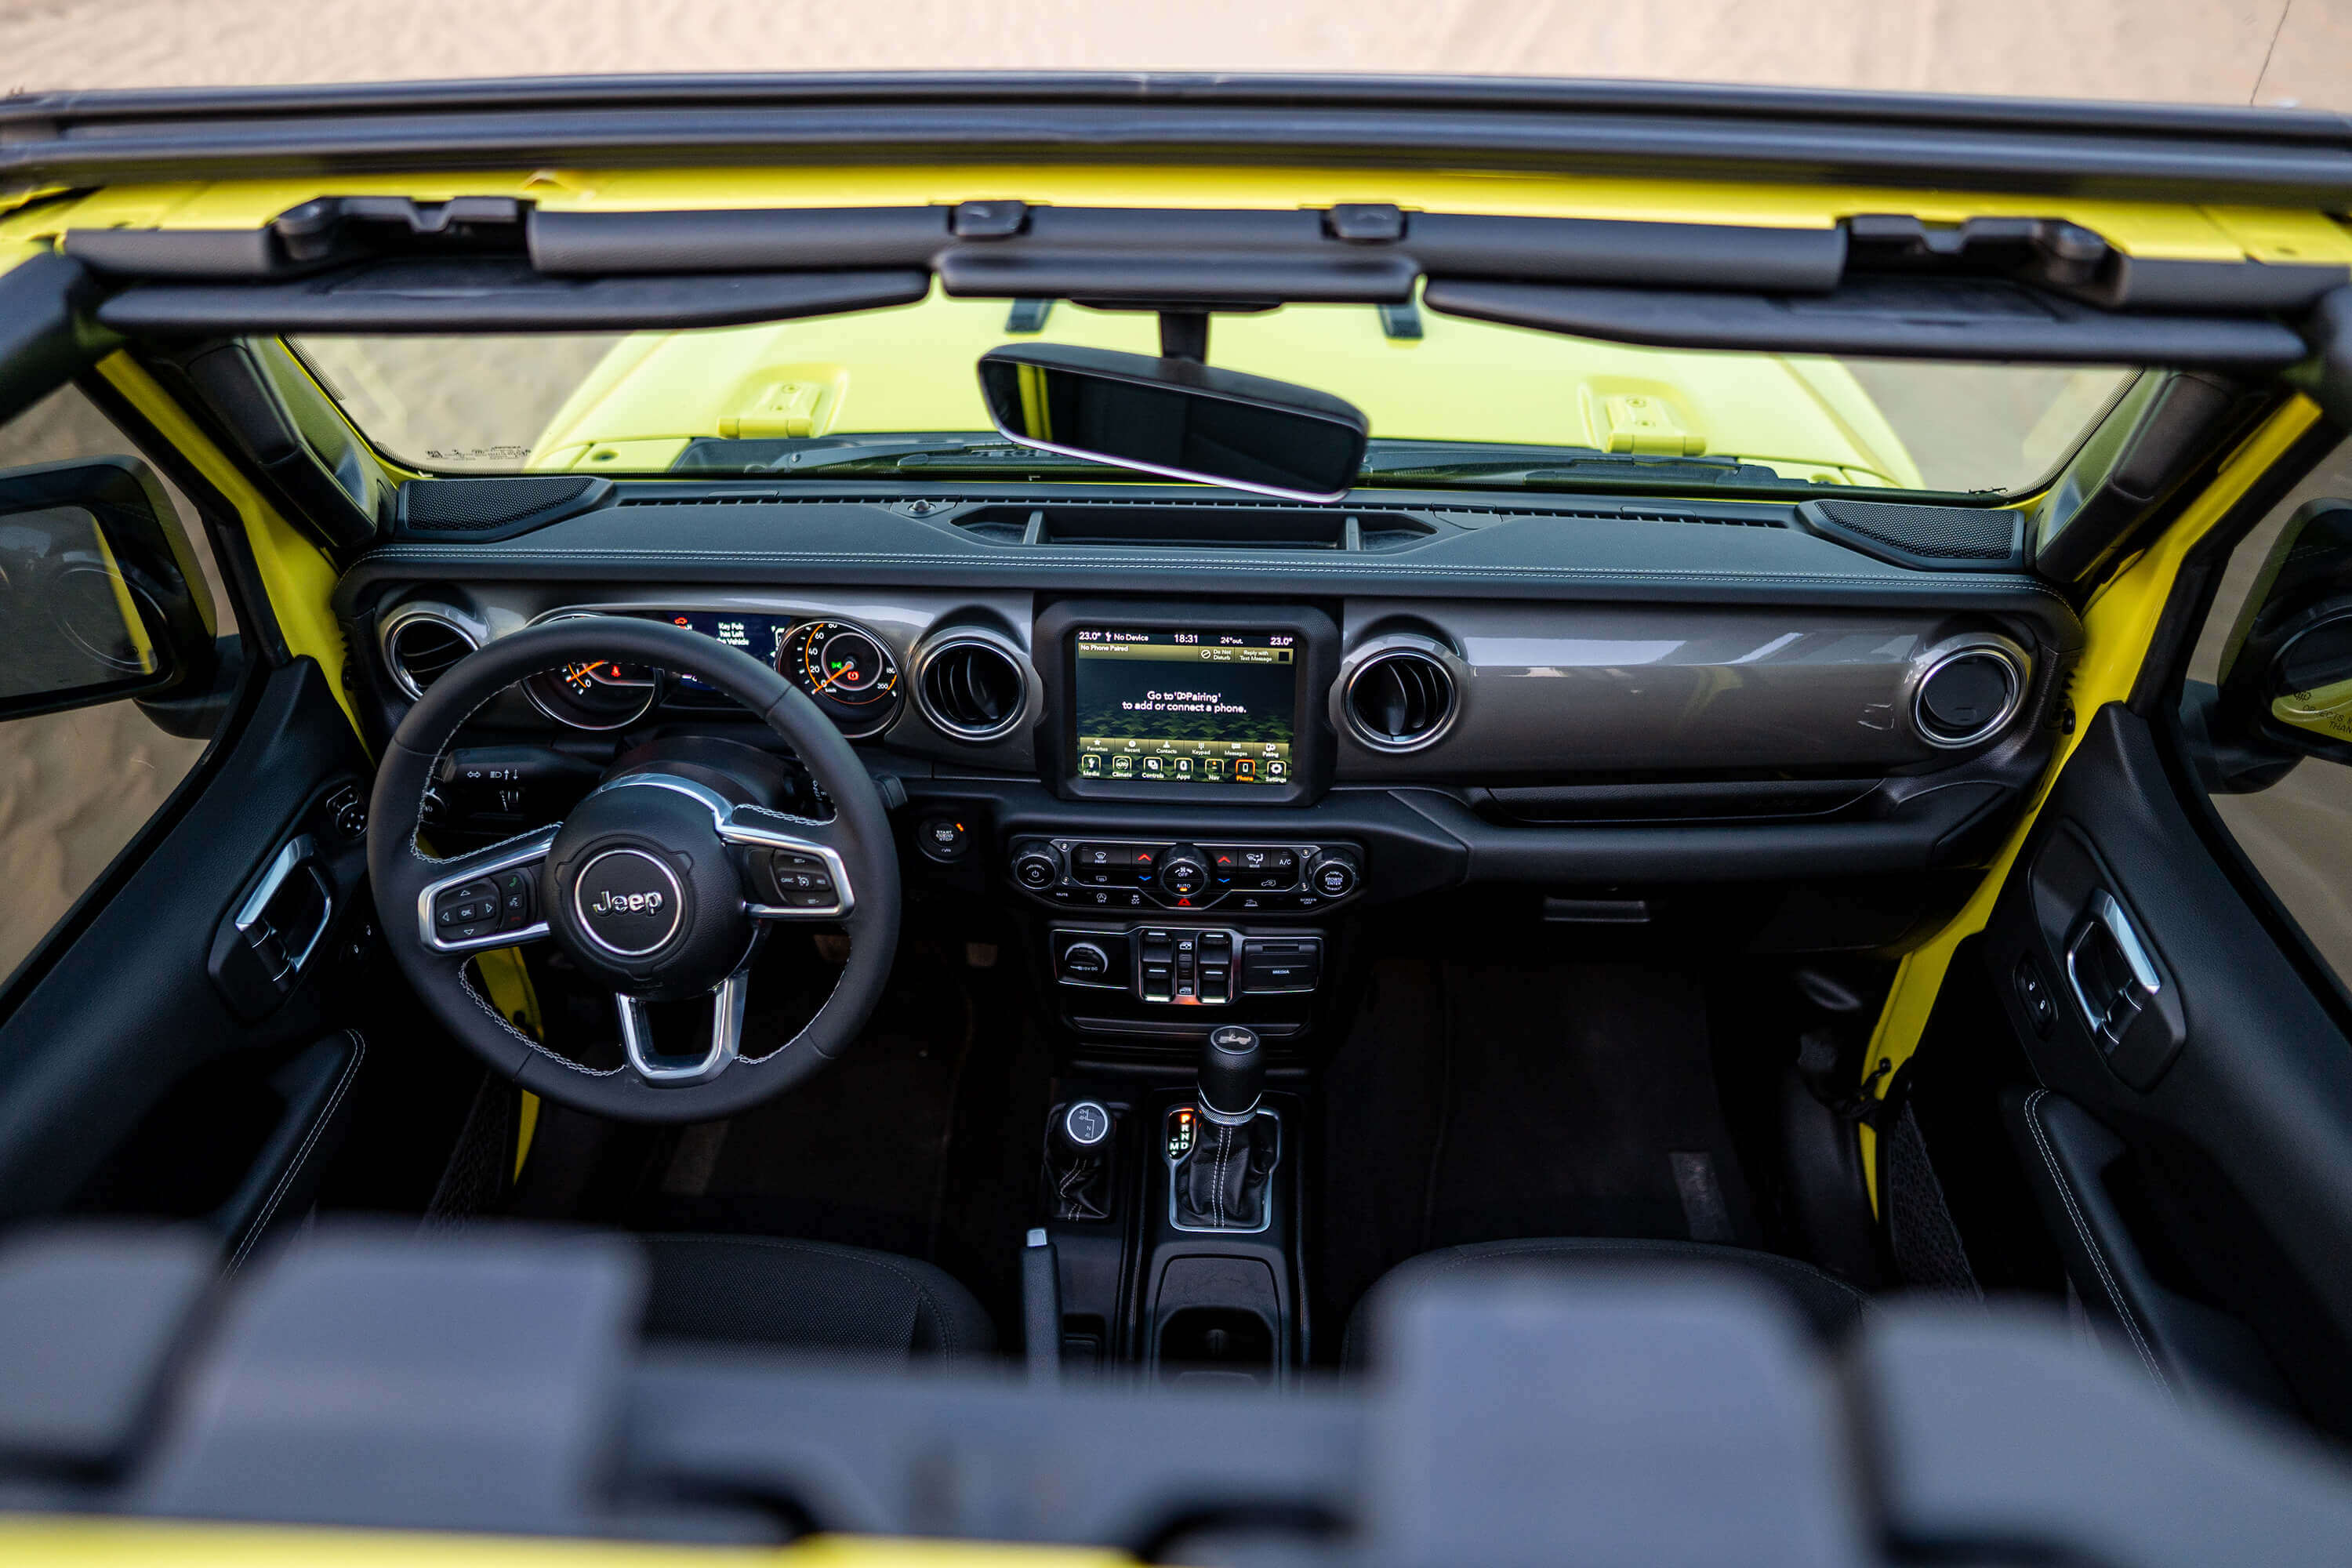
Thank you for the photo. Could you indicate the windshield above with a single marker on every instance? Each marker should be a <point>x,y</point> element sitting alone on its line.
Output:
<point>893,393</point>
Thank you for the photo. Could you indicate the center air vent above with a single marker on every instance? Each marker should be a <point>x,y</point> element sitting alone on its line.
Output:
<point>971,685</point>
<point>420,644</point>
<point>1400,698</point>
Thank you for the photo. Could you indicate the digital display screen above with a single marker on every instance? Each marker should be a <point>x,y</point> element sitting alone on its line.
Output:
<point>755,635</point>
<point>1178,707</point>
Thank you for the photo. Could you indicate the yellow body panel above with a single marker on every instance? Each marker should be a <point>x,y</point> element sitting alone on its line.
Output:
<point>2118,626</point>
<point>2154,229</point>
<point>910,368</point>
<point>297,577</point>
<point>59,1542</point>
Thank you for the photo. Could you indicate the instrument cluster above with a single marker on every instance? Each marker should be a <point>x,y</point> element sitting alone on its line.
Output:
<point>847,669</point>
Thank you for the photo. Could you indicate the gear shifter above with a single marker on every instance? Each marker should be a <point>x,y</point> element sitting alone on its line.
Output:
<point>1221,1183</point>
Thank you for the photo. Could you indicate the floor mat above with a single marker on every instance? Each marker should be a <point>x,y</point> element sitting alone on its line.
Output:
<point>1487,1101</point>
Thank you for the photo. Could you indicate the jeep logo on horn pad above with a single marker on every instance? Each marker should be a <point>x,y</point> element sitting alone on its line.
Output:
<point>627,901</point>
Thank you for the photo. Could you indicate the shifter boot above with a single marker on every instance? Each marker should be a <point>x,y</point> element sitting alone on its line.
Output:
<point>1222,1184</point>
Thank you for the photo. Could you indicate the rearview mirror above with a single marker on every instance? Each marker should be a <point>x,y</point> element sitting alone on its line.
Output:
<point>1176,417</point>
<point>100,594</point>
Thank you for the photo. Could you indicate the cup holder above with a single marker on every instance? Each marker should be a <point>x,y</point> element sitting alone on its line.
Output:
<point>1218,1342</point>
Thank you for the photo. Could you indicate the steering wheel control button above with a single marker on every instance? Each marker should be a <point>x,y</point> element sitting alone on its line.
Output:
<point>517,899</point>
<point>466,911</point>
<point>628,902</point>
<point>802,880</point>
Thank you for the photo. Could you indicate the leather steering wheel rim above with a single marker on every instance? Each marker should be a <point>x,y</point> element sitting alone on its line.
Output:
<point>401,872</point>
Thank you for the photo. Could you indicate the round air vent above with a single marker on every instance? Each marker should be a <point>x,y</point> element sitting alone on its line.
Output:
<point>1399,698</point>
<point>972,686</point>
<point>420,644</point>
<point>1967,692</point>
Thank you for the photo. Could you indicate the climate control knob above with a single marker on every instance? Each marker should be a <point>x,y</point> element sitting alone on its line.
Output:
<point>1183,871</point>
<point>1036,869</point>
<point>1334,874</point>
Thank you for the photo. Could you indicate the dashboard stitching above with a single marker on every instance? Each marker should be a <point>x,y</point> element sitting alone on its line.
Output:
<point>1282,569</point>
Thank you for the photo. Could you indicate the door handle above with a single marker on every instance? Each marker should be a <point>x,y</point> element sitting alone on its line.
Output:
<point>2109,970</point>
<point>262,952</point>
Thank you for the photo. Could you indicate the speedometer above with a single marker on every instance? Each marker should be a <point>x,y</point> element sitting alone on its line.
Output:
<point>848,672</point>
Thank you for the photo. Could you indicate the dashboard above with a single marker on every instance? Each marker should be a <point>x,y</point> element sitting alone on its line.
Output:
<point>1609,720</point>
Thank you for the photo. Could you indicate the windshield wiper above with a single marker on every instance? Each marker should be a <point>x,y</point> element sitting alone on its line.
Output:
<point>1416,463</point>
<point>909,457</point>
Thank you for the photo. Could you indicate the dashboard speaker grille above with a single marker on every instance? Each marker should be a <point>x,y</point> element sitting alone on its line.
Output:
<point>1400,699</point>
<point>421,649</point>
<point>971,688</point>
<point>477,506</point>
<point>1927,535</point>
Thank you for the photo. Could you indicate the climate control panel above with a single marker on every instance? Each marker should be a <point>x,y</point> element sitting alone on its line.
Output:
<point>1255,877</point>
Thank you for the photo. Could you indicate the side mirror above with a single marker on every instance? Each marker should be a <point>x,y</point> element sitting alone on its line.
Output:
<point>101,596</point>
<point>1176,417</point>
<point>2285,678</point>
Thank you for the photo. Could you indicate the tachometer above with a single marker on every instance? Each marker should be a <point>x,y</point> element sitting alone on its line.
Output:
<point>594,694</point>
<point>848,670</point>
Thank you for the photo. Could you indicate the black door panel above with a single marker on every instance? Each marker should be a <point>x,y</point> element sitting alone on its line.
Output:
<point>129,1011</point>
<point>2226,1079</point>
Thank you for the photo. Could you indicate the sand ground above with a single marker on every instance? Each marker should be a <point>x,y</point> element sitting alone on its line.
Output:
<point>74,787</point>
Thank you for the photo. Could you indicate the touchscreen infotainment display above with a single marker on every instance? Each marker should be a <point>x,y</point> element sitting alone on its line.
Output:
<point>1178,707</point>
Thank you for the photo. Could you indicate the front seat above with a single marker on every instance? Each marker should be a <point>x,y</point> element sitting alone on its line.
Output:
<point>1829,1306</point>
<point>808,1296</point>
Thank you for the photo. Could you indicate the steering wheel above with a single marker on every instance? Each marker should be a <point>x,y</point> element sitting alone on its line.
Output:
<point>660,884</point>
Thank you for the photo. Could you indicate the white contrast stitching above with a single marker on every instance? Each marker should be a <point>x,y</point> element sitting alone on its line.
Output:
<point>301,1156</point>
<point>395,554</point>
<point>2089,1242</point>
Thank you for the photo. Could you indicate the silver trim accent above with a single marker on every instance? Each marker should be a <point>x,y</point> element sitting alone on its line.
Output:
<point>941,643</point>
<point>1262,1226</point>
<point>523,853</point>
<point>2103,911</point>
<point>677,902</point>
<point>746,835</point>
<point>299,851</point>
<point>725,1034</point>
<point>388,627</point>
<point>2014,664</point>
<point>1379,652</point>
<point>890,704</point>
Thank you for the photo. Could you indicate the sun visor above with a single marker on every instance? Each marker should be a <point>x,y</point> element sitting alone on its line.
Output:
<point>1894,316</point>
<point>496,295</point>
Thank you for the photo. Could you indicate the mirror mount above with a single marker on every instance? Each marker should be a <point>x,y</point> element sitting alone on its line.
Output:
<point>1185,334</point>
